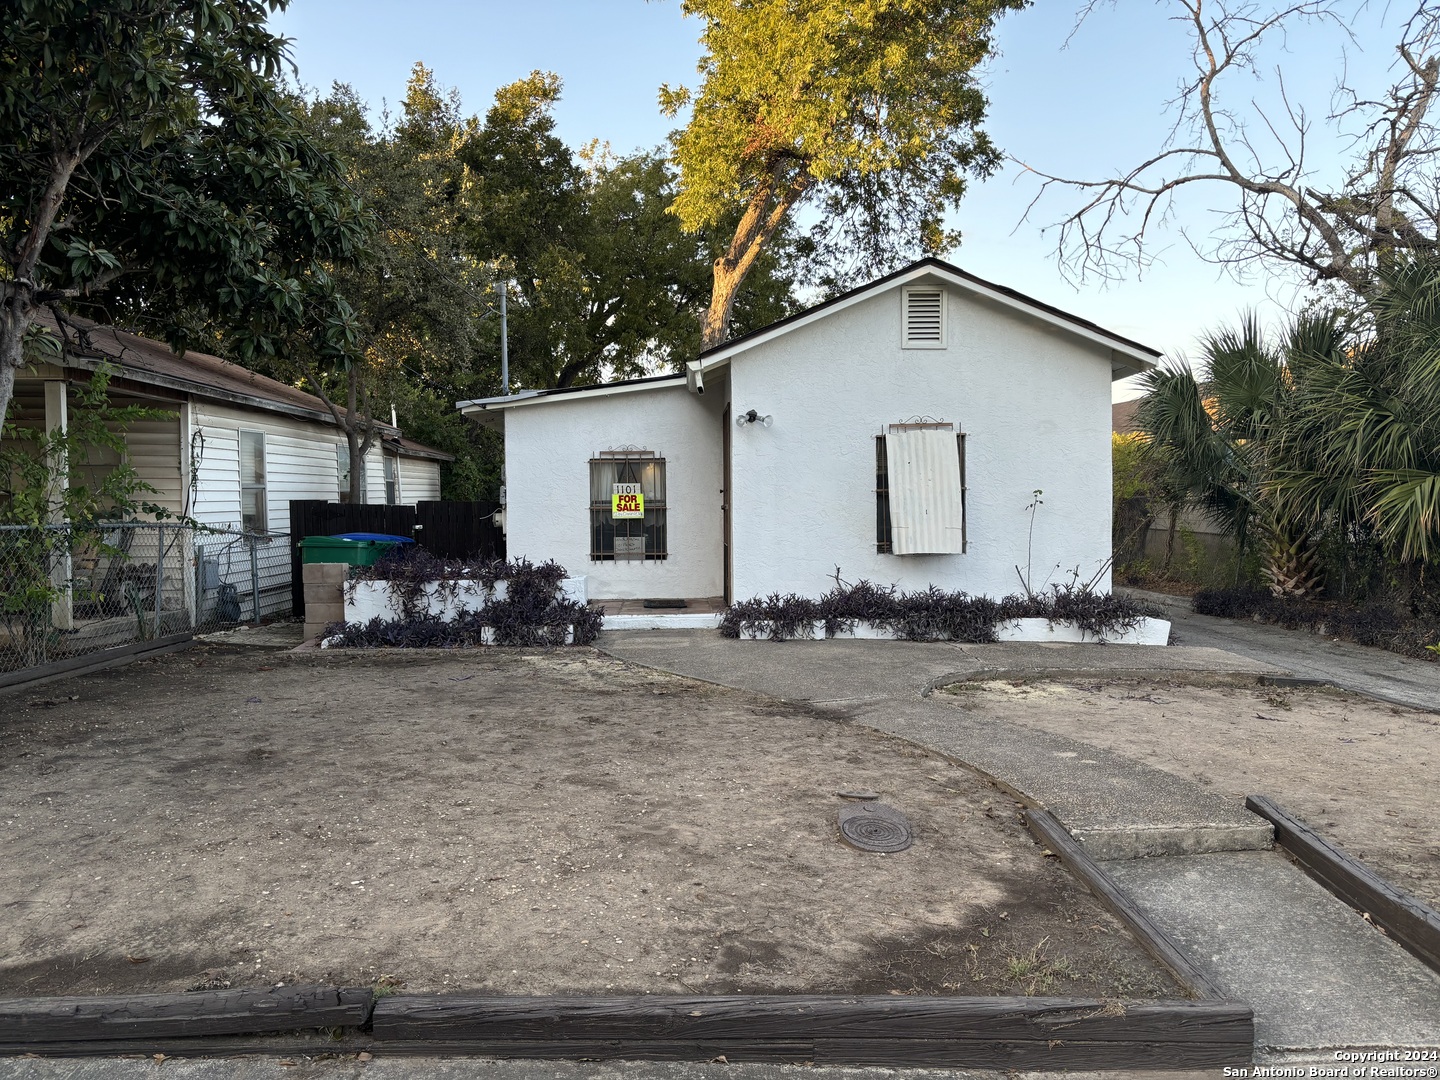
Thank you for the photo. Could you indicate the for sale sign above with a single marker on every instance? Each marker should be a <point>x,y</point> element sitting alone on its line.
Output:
<point>626,501</point>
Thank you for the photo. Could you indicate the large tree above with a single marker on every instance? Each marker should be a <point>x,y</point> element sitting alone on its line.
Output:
<point>870,109</point>
<point>606,283</point>
<point>419,300</point>
<point>148,155</point>
<point>1240,131</point>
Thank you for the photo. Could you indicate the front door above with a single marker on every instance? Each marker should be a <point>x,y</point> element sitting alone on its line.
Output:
<point>725,500</point>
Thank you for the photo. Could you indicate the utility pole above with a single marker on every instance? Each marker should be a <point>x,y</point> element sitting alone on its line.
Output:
<point>504,340</point>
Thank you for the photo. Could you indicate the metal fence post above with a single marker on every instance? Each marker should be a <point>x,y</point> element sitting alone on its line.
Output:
<point>159,579</point>
<point>255,578</point>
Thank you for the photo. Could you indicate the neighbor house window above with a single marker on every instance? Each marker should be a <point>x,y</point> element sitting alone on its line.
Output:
<point>920,490</point>
<point>627,506</point>
<point>392,482</point>
<point>253,514</point>
<point>923,317</point>
<point>342,469</point>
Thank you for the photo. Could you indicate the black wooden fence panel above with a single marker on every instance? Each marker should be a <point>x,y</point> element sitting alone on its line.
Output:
<point>451,530</point>
<point>460,530</point>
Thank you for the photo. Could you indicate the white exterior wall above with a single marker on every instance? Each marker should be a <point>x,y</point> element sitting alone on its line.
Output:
<point>419,480</point>
<point>548,447</point>
<point>1033,401</point>
<point>300,463</point>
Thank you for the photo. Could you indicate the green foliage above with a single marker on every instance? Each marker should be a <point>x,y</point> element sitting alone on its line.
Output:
<point>147,153</point>
<point>54,515</point>
<point>1362,447</point>
<point>41,472</point>
<point>607,283</point>
<point>870,109</point>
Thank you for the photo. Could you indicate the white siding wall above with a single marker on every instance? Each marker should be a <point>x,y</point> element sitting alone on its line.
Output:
<point>419,480</point>
<point>547,468</point>
<point>153,450</point>
<point>1033,401</point>
<point>300,463</point>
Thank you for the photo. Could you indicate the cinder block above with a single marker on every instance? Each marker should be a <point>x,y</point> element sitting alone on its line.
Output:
<point>314,629</point>
<point>324,613</point>
<point>325,592</point>
<point>325,572</point>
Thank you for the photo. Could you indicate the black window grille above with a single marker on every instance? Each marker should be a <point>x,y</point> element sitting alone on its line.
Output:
<point>628,539</point>
<point>883,537</point>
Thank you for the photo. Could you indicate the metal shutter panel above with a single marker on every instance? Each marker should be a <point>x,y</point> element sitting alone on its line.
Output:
<point>926,513</point>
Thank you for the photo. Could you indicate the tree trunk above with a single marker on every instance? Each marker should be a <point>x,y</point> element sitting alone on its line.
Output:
<point>722,305</point>
<point>763,215</point>
<point>1170,541</point>
<point>16,314</point>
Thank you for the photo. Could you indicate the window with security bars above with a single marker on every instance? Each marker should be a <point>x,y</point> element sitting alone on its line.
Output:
<point>884,527</point>
<point>640,538</point>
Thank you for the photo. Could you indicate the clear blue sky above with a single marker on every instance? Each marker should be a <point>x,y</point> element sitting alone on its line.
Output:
<point>1079,110</point>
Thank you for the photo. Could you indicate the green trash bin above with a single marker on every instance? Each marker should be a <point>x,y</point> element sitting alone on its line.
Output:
<point>339,549</point>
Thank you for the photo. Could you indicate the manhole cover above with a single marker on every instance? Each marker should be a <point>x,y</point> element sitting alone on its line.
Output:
<point>873,826</point>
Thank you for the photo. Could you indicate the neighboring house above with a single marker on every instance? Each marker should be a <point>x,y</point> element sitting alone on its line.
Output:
<point>234,447</point>
<point>898,433</point>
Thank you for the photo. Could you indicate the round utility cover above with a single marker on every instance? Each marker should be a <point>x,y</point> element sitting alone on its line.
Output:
<point>873,826</point>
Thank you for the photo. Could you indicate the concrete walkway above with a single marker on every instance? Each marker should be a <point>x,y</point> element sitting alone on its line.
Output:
<point>1376,673</point>
<point>1318,977</point>
<point>1120,808</point>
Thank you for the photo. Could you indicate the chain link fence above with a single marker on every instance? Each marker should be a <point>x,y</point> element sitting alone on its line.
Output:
<point>68,592</point>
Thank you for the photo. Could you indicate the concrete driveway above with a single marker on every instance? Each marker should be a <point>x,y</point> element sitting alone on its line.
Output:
<point>1376,673</point>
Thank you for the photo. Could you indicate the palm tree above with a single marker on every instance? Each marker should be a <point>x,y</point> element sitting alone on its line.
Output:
<point>1215,441</point>
<point>1361,444</point>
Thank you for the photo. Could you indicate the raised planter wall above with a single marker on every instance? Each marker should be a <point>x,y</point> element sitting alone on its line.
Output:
<point>366,600</point>
<point>1146,632</point>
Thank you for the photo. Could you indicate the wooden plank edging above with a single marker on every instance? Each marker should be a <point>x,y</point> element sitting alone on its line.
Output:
<point>1054,1033</point>
<point>94,661</point>
<point>1157,943</point>
<point>1408,920</point>
<point>254,1011</point>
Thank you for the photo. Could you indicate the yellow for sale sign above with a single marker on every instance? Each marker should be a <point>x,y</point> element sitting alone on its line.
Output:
<point>626,501</point>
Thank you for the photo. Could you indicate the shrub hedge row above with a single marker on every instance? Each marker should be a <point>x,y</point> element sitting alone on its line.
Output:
<point>1375,624</point>
<point>930,615</point>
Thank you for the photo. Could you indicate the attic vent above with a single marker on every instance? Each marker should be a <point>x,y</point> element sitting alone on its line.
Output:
<point>924,317</point>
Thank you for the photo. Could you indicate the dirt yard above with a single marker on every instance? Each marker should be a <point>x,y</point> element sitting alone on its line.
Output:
<point>1360,772</point>
<point>507,822</point>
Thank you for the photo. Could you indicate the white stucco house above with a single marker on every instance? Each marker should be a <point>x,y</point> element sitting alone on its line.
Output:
<point>898,432</point>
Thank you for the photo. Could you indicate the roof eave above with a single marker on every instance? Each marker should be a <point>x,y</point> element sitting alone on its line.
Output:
<point>1136,357</point>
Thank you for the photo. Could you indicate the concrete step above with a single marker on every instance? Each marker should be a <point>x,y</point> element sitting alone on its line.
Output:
<point>1319,977</point>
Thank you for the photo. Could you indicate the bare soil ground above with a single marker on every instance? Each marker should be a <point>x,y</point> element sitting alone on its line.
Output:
<point>520,823</point>
<point>1360,772</point>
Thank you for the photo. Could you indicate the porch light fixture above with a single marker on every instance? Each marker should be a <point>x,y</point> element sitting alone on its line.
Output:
<point>753,417</point>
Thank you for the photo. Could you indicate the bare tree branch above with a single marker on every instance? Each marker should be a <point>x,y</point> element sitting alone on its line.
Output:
<point>1387,203</point>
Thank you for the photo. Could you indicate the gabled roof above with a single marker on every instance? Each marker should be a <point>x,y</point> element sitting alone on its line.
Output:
<point>156,364</point>
<point>1127,357</point>
<point>478,407</point>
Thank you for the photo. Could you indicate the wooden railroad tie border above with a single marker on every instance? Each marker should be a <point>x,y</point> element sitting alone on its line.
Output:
<point>1022,1033</point>
<point>86,663</point>
<point>25,1022</point>
<point>1157,943</point>
<point>1408,920</point>
<point>1054,1033</point>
